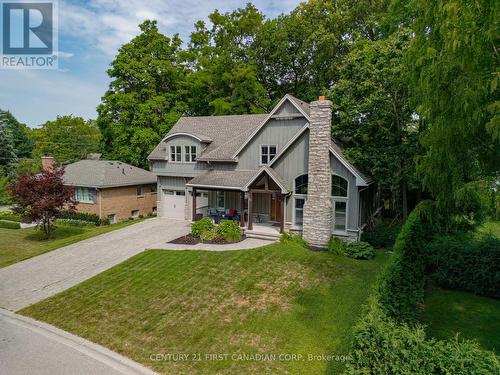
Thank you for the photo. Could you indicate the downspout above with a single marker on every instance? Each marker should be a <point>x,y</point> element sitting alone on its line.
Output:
<point>100,203</point>
<point>360,230</point>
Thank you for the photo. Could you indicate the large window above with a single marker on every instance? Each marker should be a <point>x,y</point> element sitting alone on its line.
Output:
<point>339,186</point>
<point>267,153</point>
<point>299,197</point>
<point>340,223</point>
<point>221,201</point>
<point>85,195</point>
<point>183,154</point>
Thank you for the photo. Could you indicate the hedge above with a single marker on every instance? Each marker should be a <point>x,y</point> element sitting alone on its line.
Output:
<point>389,339</point>
<point>9,215</point>
<point>383,235</point>
<point>466,263</point>
<point>9,225</point>
<point>83,216</point>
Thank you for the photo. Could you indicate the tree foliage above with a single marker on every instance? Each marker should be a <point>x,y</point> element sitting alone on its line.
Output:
<point>20,134</point>
<point>453,60</point>
<point>145,96</point>
<point>67,139</point>
<point>42,198</point>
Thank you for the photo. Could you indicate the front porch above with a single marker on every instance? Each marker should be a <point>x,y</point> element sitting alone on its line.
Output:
<point>259,205</point>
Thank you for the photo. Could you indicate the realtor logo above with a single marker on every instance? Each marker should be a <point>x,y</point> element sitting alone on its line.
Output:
<point>29,34</point>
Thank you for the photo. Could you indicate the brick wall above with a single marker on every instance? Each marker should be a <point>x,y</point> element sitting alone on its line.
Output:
<point>121,201</point>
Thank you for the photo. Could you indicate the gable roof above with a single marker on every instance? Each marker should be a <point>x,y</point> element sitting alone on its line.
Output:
<point>223,134</point>
<point>105,173</point>
<point>274,176</point>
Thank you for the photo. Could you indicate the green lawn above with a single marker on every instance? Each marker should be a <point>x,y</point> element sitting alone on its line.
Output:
<point>273,300</point>
<point>21,244</point>
<point>474,317</point>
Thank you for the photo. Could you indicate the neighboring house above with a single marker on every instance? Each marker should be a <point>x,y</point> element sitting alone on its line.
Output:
<point>282,170</point>
<point>111,189</point>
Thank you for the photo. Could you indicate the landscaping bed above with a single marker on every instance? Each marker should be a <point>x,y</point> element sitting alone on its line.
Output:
<point>278,299</point>
<point>189,239</point>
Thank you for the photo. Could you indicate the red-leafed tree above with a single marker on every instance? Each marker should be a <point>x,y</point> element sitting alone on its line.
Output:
<point>42,198</point>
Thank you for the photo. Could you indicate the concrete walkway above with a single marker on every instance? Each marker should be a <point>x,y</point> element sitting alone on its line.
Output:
<point>35,279</point>
<point>249,243</point>
<point>30,347</point>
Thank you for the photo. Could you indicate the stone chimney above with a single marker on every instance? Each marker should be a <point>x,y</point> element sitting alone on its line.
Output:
<point>317,225</point>
<point>48,163</point>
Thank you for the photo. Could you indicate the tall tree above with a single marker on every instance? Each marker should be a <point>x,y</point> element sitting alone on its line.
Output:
<point>7,152</point>
<point>20,133</point>
<point>67,139</point>
<point>145,96</point>
<point>42,198</point>
<point>224,76</point>
<point>454,60</point>
<point>373,114</point>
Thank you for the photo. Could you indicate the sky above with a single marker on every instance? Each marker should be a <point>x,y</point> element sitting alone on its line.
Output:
<point>90,33</point>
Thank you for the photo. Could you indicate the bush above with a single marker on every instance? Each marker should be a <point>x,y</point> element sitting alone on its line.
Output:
<point>74,223</point>
<point>293,239</point>
<point>83,216</point>
<point>9,215</point>
<point>229,230</point>
<point>336,246</point>
<point>359,250</point>
<point>210,235</point>
<point>466,263</point>
<point>200,226</point>
<point>382,235</point>
<point>388,339</point>
<point>9,225</point>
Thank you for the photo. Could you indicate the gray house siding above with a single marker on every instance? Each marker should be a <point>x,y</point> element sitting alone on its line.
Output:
<point>275,132</point>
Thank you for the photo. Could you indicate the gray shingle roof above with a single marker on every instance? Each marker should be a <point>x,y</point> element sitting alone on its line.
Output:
<point>105,173</point>
<point>227,134</point>
<point>229,179</point>
<point>299,103</point>
<point>339,149</point>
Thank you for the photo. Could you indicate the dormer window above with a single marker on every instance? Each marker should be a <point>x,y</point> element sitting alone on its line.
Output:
<point>267,153</point>
<point>189,154</point>
<point>175,154</point>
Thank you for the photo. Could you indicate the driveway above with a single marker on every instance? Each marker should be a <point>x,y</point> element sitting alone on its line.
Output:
<point>31,347</point>
<point>35,279</point>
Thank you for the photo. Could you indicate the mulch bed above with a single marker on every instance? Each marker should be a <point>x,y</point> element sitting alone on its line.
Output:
<point>188,239</point>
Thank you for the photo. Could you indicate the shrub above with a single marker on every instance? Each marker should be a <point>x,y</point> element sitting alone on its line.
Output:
<point>200,226</point>
<point>359,250</point>
<point>74,223</point>
<point>466,263</point>
<point>9,225</point>
<point>293,239</point>
<point>210,235</point>
<point>387,338</point>
<point>82,216</point>
<point>9,215</point>
<point>229,230</point>
<point>336,246</point>
<point>382,235</point>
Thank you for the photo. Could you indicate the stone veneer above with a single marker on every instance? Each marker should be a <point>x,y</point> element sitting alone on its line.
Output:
<point>317,224</point>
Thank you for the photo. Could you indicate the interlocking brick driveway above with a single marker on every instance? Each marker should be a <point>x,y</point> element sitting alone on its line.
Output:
<point>35,279</point>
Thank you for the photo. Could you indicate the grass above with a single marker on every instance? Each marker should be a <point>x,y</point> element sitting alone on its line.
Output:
<point>472,317</point>
<point>18,245</point>
<point>491,228</point>
<point>280,299</point>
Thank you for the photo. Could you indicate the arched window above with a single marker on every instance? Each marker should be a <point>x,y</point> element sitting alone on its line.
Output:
<point>339,186</point>
<point>301,184</point>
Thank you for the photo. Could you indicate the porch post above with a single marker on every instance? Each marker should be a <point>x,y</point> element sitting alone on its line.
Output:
<point>242,209</point>
<point>282,212</point>
<point>250,210</point>
<point>194,205</point>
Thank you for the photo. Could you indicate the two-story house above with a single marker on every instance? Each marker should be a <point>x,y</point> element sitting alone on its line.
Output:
<point>279,171</point>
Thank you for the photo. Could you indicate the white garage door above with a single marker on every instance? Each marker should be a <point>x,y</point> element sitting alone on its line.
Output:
<point>173,204</point>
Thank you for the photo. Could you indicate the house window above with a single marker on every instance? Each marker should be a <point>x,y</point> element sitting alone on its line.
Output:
<point>112,218</point>
<point>135,214</point>
<point>189,154</point>
<point>139,191</point>
<point>267,153</point>
<point>176,154</point>
<point>153,188</point>
<point>85,195</point>
<point>299,197</point>
<point>339,186</point>
<point>340,215</point>
<point>220,200</point>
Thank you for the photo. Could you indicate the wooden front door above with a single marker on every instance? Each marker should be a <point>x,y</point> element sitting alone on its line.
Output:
<point>275,208</point>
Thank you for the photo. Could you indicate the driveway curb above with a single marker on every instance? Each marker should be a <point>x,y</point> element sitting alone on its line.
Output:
<point>97,352</point>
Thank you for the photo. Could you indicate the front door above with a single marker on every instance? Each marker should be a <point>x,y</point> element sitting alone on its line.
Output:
<point>275,208</point>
